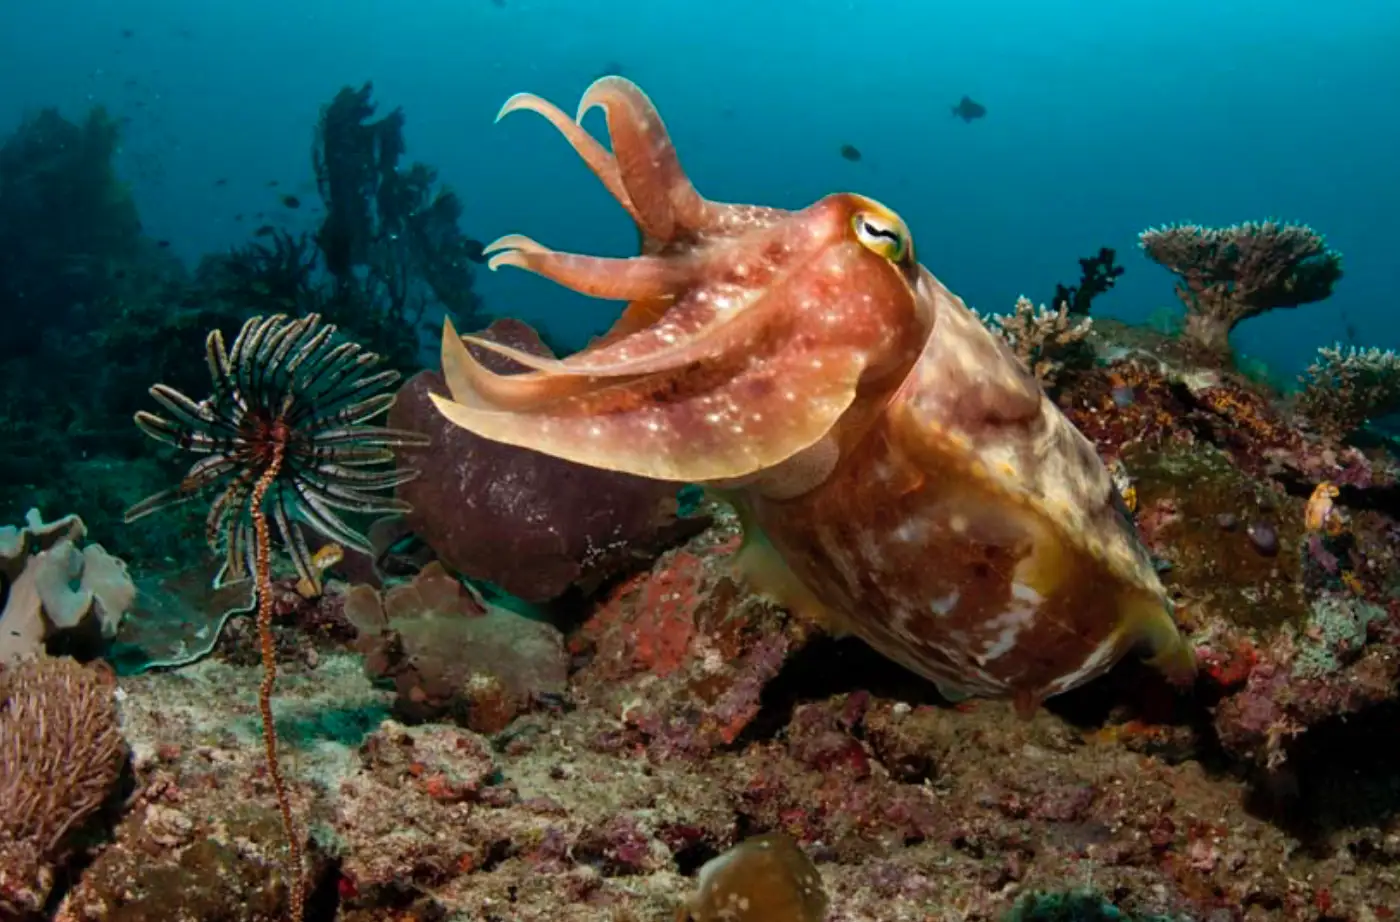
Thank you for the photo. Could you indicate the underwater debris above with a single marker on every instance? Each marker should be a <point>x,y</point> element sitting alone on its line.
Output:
<point>1049,341</point>
<point>283,439</point>
<point>61,753</point>
<point>50,587</point>
<point>765,878</point>
<point>1345,388</point>
<point>1228,275</point>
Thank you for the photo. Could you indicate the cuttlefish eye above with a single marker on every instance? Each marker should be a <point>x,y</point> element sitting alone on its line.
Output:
<point>884,235</point>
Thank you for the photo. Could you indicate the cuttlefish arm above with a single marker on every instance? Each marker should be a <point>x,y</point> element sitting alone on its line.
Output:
<point>751,330</point>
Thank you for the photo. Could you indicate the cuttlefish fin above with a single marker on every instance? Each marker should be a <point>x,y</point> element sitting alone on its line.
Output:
<point>702,422</point>
<point>1148,619</point>
<point>760,565</point>
<point>664,203</point>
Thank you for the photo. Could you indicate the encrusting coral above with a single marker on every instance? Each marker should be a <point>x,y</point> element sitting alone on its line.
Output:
<point>52,586</point>
<point>61,753</point>
<point>1344,388</point>
<point>1227,275</point>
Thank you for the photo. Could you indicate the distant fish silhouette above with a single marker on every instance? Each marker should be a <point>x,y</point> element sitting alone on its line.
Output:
<point>969,110</point>
<point>850,152</point>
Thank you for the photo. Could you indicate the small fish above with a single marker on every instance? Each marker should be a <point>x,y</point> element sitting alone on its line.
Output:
<point>766,878</point>
<point>221,182</point>
<point>968,110</point>
<point>163,244</point>
<point>128,33</point>
<point>272,184</point>
<point>327,556</point>
<point>291,201</point>
<point>266,230</point>
<point>851,152</point>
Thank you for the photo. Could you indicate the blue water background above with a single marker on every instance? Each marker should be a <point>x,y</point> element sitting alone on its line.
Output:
<point>1104,118</point>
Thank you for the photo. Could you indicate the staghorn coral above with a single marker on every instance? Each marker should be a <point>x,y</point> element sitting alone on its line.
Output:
<point>1049,341</point>
<point>1230,274</point>
<point>52,587</point>
<point>1344,388</point>
<point>61,754</point>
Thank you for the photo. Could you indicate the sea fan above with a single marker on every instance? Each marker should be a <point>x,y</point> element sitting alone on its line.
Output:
<point>287,410</point>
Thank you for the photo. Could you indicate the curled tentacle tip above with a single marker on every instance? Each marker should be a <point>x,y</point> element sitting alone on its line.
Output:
<point>512,242</point>
<point>593,96</point>
<point>506,258</point>
<point>515,103</point>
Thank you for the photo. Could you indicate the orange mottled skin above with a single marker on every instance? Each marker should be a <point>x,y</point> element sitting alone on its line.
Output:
<point>900,474</point>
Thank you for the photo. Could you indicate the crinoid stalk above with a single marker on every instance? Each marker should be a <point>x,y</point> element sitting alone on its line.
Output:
<point>285,443</point>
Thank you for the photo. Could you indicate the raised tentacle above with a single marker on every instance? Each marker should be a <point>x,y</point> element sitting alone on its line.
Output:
<point>616,279</point>
<point>663,199</point>
<point>597,157</point>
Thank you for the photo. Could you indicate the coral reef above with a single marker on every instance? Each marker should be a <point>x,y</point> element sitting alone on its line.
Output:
<point>60,758</point>
<point>52,592</point>
<point>1345,388</point>
<point>1227,275</point>
<point>530,524</point>
<point>452,656</point>
<point>1046,340</point>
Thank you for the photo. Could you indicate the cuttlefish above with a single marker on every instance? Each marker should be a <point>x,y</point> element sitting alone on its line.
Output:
<point>899,474</point>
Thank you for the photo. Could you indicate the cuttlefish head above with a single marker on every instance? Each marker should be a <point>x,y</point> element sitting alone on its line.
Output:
<point>749,332</point>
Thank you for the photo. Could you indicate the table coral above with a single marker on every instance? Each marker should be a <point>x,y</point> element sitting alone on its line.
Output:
<point>1227,275</point>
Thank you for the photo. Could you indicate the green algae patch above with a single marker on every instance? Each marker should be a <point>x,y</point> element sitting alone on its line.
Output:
<point>1211,521</point>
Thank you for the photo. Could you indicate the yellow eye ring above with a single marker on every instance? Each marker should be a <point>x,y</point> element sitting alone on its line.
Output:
<point>884,235</point>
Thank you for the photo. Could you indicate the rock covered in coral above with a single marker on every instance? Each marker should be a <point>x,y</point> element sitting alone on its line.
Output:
<point>451,655</point>
<point>52,586</point>
<point>531,524</point>
<point>681,654</point>
<point>61,753</point>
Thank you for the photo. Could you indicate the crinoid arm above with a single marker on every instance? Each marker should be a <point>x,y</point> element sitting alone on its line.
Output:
<point>285,387</point>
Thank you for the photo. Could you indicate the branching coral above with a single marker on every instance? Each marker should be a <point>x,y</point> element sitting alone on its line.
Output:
<point>1097,275</point>
<point>1047,341</point>
<point>283,436</point>
<point>1344,388</point>
<point>60,755</point>
<point>1230,274</point>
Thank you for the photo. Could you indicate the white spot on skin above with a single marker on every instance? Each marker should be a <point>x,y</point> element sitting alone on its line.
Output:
<point>1025,593</point>
<point>944,605</point>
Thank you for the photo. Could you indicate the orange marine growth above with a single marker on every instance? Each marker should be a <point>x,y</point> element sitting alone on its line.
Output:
<point>900,475</point>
